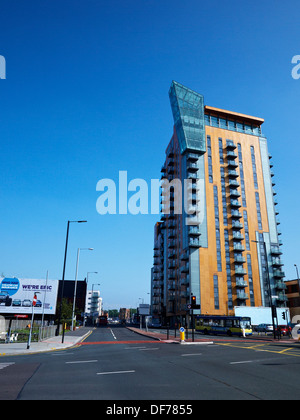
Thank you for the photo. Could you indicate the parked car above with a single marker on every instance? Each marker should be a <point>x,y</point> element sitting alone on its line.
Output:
<point>155,323</point>
<point>264,328</point>
<point>5,298</point>
<point>284,329</point>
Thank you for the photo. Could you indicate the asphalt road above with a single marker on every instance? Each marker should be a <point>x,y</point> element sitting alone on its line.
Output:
<point>116,364</point>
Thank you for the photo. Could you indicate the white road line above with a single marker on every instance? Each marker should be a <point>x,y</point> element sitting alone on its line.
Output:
<point>129,348</point>
<point>82,361</point>
<point>252,361</point>
<point>192,354</point>
<point>152,348</point>
<point>113,334</point>
<point>113,373</point>
<point>246,361</point>
<point>4,365</point>
<point>61,354</point>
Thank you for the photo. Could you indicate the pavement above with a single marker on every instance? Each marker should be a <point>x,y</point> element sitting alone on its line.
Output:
<point>170,338</point>
<point>72,338</point>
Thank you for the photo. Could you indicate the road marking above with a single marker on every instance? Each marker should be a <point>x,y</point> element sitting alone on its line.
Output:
<point>254,361</point>
<point>61,354</point>
<point>116,372</point>
<point>246,361</point>
<point>82,361</point>
<point>113,334</point>
<point>4,365</point>
<point>155,348</point>
<point>129,348</point>
<point>255,347</point>
<point>192,354</point>
<point>283,351</point>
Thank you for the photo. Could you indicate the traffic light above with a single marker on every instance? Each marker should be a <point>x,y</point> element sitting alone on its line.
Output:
<point>283,315</point>
<point>193,302</point>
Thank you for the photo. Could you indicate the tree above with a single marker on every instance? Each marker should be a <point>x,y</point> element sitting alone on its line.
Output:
<point>66,310</point>
<point>113,313</point>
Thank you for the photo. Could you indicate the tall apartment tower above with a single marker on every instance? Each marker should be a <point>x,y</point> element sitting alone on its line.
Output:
<point>224,247</point>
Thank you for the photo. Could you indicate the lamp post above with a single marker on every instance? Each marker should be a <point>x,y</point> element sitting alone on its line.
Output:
<point>297,277</point>
<point>87,275</point>
<point>75,287</point>
<point>63,275</point>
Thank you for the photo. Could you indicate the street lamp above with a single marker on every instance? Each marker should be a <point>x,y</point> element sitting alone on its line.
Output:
<point>87,275</point>
<point>63,275</point>
<point>297,277</point>
<point>75,287</point>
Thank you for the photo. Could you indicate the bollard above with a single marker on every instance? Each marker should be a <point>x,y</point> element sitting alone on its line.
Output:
<point>182,335</point>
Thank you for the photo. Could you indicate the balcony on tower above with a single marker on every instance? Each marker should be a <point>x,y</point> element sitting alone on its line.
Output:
<point>232,164</point>
<point>235,214</point>
<point>237,236</point>
<point>230,145</point>
<point>237,225</point>
<point>194,231</point>
<point>241,295</point>
<point>240,282</point>
<point>195,243</point>
<point>232,173</point>
<point>192,166</point>
<point>235,203</point>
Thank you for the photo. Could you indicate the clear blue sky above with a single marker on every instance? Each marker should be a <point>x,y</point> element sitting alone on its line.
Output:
<point>86,95</point>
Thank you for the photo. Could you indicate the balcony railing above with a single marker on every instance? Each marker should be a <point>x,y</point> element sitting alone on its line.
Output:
<point>194,243</point>
<point>235,203</point>
<point>241,283</point>
<point>230,145</point>
<point>194,231</point>
<point>233,174</point>
<point>235,214</point>
<point>242,295</point>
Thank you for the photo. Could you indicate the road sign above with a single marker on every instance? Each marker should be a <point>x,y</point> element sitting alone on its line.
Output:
<point>190,306</point>
<point>34,300</point>
<point>181,329</point>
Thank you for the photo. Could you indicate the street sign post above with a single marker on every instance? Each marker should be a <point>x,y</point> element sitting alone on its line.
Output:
<point>182,337</point>
<point>32,318</point>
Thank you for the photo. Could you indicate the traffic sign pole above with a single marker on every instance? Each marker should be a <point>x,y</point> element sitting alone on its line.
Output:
<point>32,319</point>
<point>182,337</point>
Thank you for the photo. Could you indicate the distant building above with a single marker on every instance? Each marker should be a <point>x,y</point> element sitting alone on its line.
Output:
<point>293,295</point>
<point>93,304</point>
<point>124,314</point>
<point>224,248</point>
<point>68,294</point>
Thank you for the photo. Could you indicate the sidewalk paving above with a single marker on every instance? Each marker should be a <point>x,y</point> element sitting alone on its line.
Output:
<point>50,344</point>
<point>161,336</point>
